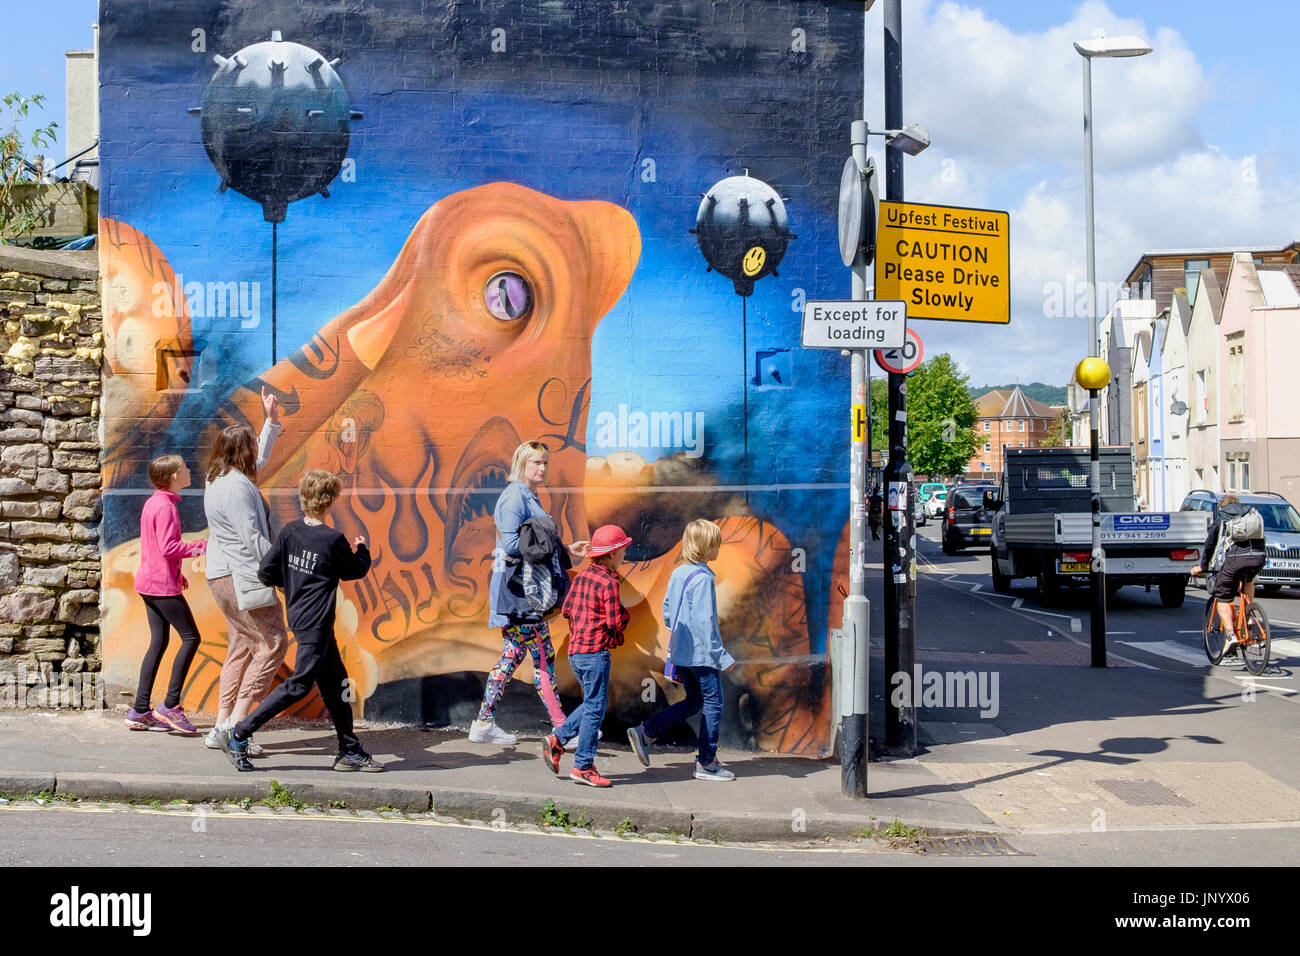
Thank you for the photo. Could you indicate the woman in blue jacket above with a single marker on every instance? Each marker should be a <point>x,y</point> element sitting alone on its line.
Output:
<point>524,631</point>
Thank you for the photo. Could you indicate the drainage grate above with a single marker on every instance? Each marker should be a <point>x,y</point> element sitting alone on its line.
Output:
<point>1144,793</point>
<point>976,845</point>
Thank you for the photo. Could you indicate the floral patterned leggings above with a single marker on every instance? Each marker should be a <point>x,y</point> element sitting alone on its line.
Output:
<point>520,641</point>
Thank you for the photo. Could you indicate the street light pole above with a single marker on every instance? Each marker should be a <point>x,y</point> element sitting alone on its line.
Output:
<point>1115,47</point>
<point>1097,562</point>
<point>899,535</point>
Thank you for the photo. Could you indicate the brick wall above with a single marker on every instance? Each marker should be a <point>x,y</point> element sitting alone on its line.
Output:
<point>51,340</point>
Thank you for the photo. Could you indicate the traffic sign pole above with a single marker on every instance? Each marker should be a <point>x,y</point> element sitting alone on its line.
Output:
<point>857,609</point>
<point>900,534</point>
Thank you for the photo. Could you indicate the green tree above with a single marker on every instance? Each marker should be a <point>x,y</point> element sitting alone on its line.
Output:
<point>941,418</point>
<point>18,218</point>
<point>1057,433</point>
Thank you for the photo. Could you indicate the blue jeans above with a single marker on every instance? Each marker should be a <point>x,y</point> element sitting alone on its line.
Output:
<point>592,671</point>
<point>703,693</point>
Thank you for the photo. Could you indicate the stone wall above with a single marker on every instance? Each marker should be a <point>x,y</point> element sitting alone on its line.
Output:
<point>51,339</point>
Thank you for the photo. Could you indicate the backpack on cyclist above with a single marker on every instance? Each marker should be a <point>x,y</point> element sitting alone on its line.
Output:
<point>1243,528</point>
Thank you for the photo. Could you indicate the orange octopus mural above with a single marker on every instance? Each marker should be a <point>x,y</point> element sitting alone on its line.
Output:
<point>416,396</point>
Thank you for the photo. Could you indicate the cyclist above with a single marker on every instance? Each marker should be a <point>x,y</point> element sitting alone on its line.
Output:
<point>1238,555</point>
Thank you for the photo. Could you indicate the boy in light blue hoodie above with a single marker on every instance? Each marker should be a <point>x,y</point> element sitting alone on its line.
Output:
<point>695,651</point>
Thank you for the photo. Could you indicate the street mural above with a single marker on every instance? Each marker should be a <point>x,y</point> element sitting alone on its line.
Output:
<point>430,252</point>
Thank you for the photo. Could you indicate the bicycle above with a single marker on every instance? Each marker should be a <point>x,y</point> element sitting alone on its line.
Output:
<point>1250,624</point>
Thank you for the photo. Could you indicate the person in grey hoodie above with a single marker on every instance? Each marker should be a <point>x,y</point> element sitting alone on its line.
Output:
<point>239,535</point>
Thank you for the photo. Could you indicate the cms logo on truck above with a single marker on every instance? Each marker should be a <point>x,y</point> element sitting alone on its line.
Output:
<point>1142,522</point>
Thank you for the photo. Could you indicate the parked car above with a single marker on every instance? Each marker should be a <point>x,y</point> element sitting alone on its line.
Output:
<point>1281,533</point>
<point>966,522</point>
<point>934,504</point>
<point>918,510</point>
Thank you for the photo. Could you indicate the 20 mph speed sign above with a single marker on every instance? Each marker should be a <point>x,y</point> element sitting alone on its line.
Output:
<point>902,360</point>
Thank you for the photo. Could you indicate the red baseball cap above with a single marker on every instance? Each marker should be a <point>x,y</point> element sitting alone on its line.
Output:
<point>607,538</point>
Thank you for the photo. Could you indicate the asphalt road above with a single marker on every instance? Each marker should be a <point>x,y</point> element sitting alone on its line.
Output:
<point>83,837</point>
<point>1138,628</point>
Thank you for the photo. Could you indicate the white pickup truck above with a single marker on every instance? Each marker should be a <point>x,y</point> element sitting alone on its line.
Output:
<point>1043,526</point>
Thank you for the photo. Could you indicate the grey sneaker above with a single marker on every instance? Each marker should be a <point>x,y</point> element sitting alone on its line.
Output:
<point>349,763</point>
<point>213,742</point>
<point>236,750</point>
<point>715,771</point>
<point>487,732</point>
<point>640,745</point>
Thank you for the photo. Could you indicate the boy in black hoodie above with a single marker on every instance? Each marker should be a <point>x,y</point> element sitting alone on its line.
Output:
<point>308,560</point>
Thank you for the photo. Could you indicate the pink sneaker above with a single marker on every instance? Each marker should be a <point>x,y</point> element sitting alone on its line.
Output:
<point>174,717</point>
<point>135,720</point>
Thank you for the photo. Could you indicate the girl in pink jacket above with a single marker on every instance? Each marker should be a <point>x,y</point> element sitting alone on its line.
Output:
<point>159,582</point>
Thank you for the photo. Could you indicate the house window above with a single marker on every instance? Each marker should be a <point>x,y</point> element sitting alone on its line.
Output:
<point>986,424</point>
<point>1021,423</point>
<point>1239,472</point>
<point>987,447</point>
<point>1192,276</point>
<point>1201,407</point>
<point>1237,376</point>
<point>1144,283</point>
<point>1022,444</point>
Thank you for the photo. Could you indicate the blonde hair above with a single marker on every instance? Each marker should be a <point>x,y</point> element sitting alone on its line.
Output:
<point>523,455</point>
<point>163,469</point>
<point>699,539</point>
<point>1229,500</point>
<point>318,490</point>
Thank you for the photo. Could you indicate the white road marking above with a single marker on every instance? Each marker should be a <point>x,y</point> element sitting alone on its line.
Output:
<point>1178,652</point>
<point>1019,602</point>
<point>1121,632</point>
<point>1287,647</point>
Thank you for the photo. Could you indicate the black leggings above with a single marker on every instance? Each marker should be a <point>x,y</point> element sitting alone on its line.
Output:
<point>165,613</point>
<point>317,663</point>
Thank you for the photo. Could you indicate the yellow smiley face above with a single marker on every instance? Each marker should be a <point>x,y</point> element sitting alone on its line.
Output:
<point>753,261</point>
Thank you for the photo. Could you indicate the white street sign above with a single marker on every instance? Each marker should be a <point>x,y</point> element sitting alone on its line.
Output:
<point>851,324</point>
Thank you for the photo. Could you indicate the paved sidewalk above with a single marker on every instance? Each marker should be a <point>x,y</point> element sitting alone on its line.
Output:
<point>773,798</point>
<point>1070,748</point>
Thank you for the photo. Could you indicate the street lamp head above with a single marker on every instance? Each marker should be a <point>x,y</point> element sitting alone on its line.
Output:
<point>1112,46</point>
<point>911,139</point>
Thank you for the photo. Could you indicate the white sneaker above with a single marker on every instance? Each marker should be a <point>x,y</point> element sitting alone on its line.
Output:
<point>572,745</point>
<point>487,732</point>
<point>213,742</point>
<point>715,772</point>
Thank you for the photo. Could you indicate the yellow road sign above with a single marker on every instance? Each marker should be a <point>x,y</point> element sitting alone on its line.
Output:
<point>945,262</point>
<point>859,422</point>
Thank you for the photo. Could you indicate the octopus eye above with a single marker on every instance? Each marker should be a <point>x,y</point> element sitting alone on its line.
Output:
<point>508,296</point>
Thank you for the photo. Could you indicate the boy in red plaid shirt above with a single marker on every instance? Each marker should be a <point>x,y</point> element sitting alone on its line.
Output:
<point>597,619</point>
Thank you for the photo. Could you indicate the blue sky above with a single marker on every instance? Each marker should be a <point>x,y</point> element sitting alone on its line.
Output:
<point>1194,143</point>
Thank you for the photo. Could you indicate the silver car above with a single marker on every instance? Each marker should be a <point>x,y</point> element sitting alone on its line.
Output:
<point>1281,533</point>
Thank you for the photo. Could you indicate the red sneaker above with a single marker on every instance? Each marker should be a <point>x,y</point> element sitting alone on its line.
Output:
<point>589,776</point>
<point>552,751</point>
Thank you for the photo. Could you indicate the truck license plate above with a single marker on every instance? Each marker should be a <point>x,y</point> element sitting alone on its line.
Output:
<point>1073,567</point>
<point>1283,564</point>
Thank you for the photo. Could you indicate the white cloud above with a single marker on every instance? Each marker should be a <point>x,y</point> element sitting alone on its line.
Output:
<point>1004,111</point>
